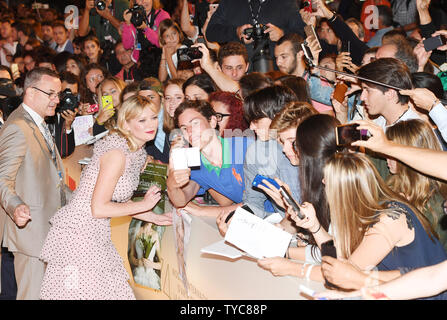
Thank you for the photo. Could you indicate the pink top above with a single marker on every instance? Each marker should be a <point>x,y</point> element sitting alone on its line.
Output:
<point>129,33</point>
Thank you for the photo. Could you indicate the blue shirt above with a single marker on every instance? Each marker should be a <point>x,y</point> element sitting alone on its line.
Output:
<point>228,180</point>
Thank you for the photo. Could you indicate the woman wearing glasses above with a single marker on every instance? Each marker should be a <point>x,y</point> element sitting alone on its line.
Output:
<point>229,113</point>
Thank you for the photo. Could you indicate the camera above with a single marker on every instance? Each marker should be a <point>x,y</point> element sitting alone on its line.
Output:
<point>256,32</point>
<point>138,15</point>
<point>100,5</point>
<point>68,101</point>
<point>261,59</point>
<point>188,54</point>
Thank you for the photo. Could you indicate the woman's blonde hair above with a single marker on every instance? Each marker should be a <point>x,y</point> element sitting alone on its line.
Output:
<point>357,196</point>
<point>418,188</point>
<point>130,109</point>
<point>120,85</point>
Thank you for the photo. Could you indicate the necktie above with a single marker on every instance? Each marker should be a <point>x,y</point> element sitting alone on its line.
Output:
<point>49,140</point>
<point>50,143</point>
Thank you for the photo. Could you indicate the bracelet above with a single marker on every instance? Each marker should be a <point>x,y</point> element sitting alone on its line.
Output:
<point>302,269</point>
<point>319,227</point>
<point>309,269</point>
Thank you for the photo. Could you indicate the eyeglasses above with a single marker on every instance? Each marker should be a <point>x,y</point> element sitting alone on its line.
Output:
<point>220,116</point>
<point>51,95</point>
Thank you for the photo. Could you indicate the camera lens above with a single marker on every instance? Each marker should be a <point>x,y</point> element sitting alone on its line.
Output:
<point>100,5</point>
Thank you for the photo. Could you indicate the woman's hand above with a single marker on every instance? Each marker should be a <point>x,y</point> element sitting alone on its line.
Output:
<point>164,219</point>
<point>342,273</point>
<point>104,115</point>
<point>221,224</point>
<point>310,221</point>
<point>279,266</point>
<point>377,141</point>
<point>152,197</point>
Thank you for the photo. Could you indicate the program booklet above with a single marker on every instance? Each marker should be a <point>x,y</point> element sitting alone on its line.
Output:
<point>153,174</point>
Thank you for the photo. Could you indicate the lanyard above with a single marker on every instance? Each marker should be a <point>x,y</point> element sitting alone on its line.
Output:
<point>255,18</point>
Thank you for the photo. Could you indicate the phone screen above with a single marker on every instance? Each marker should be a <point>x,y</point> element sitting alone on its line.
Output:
<point>346,134</point>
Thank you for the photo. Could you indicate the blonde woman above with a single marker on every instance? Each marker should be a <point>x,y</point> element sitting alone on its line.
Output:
<point>427,194</point>
<point>82,262</point>
<point>106,118</point>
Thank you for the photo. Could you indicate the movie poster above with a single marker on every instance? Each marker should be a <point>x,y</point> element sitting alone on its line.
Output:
<point>144,249</point>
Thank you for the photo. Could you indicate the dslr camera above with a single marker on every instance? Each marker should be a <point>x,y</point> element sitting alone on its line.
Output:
<point>138,15</point>
<point>68,101</point>
<point>256,32</point>
<point>261,59</point>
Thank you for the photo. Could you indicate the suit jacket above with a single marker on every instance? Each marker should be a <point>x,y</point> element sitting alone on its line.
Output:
<point>28,176</point>
<point>65,142</point>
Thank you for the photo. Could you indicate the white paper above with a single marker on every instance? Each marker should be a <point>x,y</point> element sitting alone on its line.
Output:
<point>257,237</point>
<point>274,218</point>
<point>193,156</point>
<point>97,137</point>
<point>222,249</point>
<point>185,157</point>
<point>80,126</point>
<point>178,156</point>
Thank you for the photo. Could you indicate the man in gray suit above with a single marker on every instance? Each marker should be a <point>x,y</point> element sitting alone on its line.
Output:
<point>31,179</point>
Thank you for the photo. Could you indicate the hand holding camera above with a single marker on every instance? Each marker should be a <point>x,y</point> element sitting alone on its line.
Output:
<point>274,32</point>
<point>244,35</point>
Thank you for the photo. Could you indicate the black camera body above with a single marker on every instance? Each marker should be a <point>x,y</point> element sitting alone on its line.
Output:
<point>261,59</point>
<point>257,32</point>
<point>68,101</point>
<point>100,5</point>
<point>138,15</point>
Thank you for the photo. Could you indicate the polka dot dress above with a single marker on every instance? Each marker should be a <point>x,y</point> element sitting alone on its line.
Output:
<point>82,262</point>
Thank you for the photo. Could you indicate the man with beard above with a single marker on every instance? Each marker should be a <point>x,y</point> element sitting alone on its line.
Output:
<point>290,60</point>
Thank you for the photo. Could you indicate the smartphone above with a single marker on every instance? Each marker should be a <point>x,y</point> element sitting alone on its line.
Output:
<point>214,5</point>
<point>93,108</point>
<point>107,102</point>
<point>340,91</point>
<point>345,134</point>
<point>258,181</point>
<point>310,32</point>
<point>346,46</point>
<point>434,42</point>
<point>291,202</point>
<point>307,53</point>
<point>310,6</point>
<point>15,71</point>
<point>328,249</point>
<point>245,207</point>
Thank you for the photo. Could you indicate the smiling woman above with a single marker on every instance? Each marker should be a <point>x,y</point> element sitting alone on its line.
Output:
<point>105,188</point>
